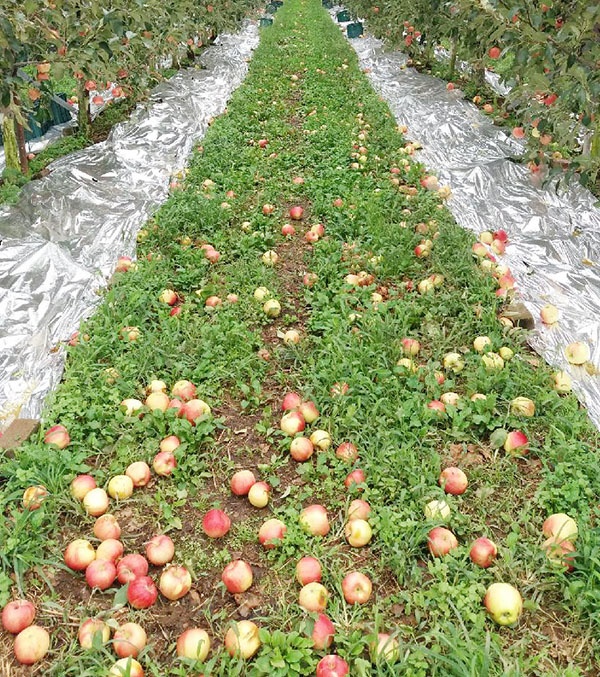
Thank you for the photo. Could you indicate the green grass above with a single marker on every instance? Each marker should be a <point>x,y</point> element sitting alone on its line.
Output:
<point>307,96</point>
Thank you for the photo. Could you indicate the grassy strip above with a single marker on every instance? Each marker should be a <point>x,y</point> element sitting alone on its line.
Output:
<point>306,96</point>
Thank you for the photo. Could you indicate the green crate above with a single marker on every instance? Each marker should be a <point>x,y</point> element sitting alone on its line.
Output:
<point>354,30</point>
<point>266,21</point>
<point>343,16</point>
<point>271,9</point>
<point>328,4</point>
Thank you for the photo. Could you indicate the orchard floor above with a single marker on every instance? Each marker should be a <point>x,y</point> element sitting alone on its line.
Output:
<point>333,148</point>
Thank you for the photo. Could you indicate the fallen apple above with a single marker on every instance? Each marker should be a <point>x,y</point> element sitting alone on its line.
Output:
<point>357,588</point>
<point>237,576</point>
<point>483,552</point>
<point>241,482</point>
<point>57,435</point>
<point>437,510</point>
<point>130,567</point>
<point>271,533</point>
<point>441,541</point>
<point>358,533</point>
<point>126,667</point>
<point>321,439</point>
<point>129,639</point>
<point>106,526</point>
<point>242,640</point>
<point>516,443</point>
<point>175,582</point>
<point>18,615</point>
<point>323,632</point>
<point>81,485</point>
<point>385,648</point>
<point>101,574</point>
<point>194,643</point>
<point>453,481</point>
<point>95,502</point>
<point>301,449</point>
<point>79,554</point>
<point>31,645</point>
<point>577,353</point>
<point>216,523</point>
<point>34,496</point>
<point>164,463</point>
<point>160,550</point>
<point>314,521</point>
<point>503,603</point>
<point>90,628</point>
<point>292,423</point>
<point>313,597</point>
<point>332,666</point>
<point>142,592</point>
<point>560,527</point>
<point>120,487</point>
<point>111,550</point>
<point>259,494</point>
<point>139,473</point>
<point>308,570</point>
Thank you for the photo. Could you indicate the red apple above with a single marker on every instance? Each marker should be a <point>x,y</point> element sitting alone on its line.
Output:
<point>241,482</point>
<point>169,297</point>
<point>354,479</point>
<point>57,435</point>
<point>106,526</point>
<point>212,255</point>
<point>313,520</point>
<point>79,554</point>
<point>309,411</point>
<point>288,230</point>
<point>319,229</point>
<point>130,567</point>
<point>160,550</point>
<point>110,550</point>
<point>81,485</point>
<point>453,481</point>
<point>129,640</point>
<point>309,279</point>
<point>359,510</point>
<point>313,597</point>
<point>175,582</point>
<point>262,143</point>
<point>516,443</point>
<point>311,236</point>
<point>142,592</point>
<point>323,632</point>
<point>560,527</point>
<point>357,588</point>
<point>139,473</point>
<point>301,449</point>
<point>332,666</point>
<point>31,645</point>
<point>237,576</point>
<point>308,570</point>
<point>291,401</point>
<point>178,406</point>
<point>483,552</point>
<point>494,52</point>
<point>338,202</point>
<point>270,532</point>
<point>292,423</point>
<point>440,541</point>
<point>194,409</point>
<point>164,463</point>
<point>18,615</point>
<point>268,209</point>
<point>194,643</point>
<point>101,574</point>
<point>90,628</point>
<point>296,213</point>
<point>216,523</point>
<point>347,452</point>
<point>184,390</point>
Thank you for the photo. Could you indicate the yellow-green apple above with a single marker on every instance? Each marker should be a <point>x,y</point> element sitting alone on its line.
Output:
<point>301,449</point>
<point>160,550</point>
<point>313,519</point>
<point>216,523</point>
<point>313,597</point>
<point>168,296</point>
<point>347,452</point>
<point>453,481</point>
<point>358,533</point>
<point>359,510</point>
<point>31,645</point>
<point>164,463</point>
<point>562,382</point>
<point>478,396</point>
<point>157,401</point>
<point>259,494</point>
<point>194,643</point>
<point>57,435</point>
<point>453,362</point>
<point>310,279</point>
<point>577,352</point>
<point>479,250</point>
<point>450,398</point>
<point>139,473</point>
<point>242,640</point>
<point>321,439</point>
<point>308,570</point>
<point>522,406</point>
<point>90,628</point>
<point>130,405</point>
<point>271,533</point>
<point>357,588</point>
<point>506,353</point>
<point>503,603</point>
<point>18,615</point>
<point>175,582</point>
<point>110,549</point>
<point>560,527</point>
<point>492,361</point>
<point>156,386</point>
<point>319,229</point>
<point>81,485</point>
<point>79,554</point>
<point>436,510</point>
<point>309,411</point>
<point>483,552</point>
<point>486,236</point>
<point>441,541</point>
<point>270,258</point>
<point>291,337</point>
<point>126,666</point>
<point>237,576</point>
<point>549,314</point>
<point>95,502</point>
<point>292,423</point>
<point>323,632</point>
<point>130,567</point>
<point>241,482</point>
<point>107,526</point>
<point>481,343</point>
<point>261,294</point>
<point>120,487</point>
<point>425,286</point>
<point>385,648</point>
<point>272,308</point>
<point>516,443</point>
<point>129,640</point>
<point>332,665</point>
<point>142,592</point>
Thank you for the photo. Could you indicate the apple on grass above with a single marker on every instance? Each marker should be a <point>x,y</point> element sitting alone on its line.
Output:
<point>129,640</point>
<point>79,554</point>
<point>441,541</point>
<point>308,570</point>
<point>216,523</point>
<point>175,582</point>
<point>237,576</point>
<point>34,496</point>
<point>358,533</point>
<point>313,597</point>
<point>184,390</point>
<point>120,487</point>
<point>560,527</point>
<point>322,633</point>
<point>57,435</point>
<point>436,510</point>
<point>126,667</point>
<point>321,439</point>
<point>241,482</point>
<point>169,443</point>
<point>164,463</point>
<point>314,521</point>
<point>95,502</point>
<point>453,481</point>
<point>359,510</point>
<point>242,640</point>
<point>271,533</point>
<point>31,645</point>
<point>101,574</point>
<point>332,666</point>
<point>357,588</point>
<point>18,615</point>
<point>90,628</point>
<point>259,494</point>
<point>309,412</point>
<point>483,552</point>
<point>139,473</point>
<point>81,485</point>
<point>385,648</point>
<point>194,643</point>
<point>503,603</point>
<point>292,423</point>
<point>347,452</point>
<point>301,449</point>
<point>291,401</point>
<point>157,401</point>
<point>160,550</point>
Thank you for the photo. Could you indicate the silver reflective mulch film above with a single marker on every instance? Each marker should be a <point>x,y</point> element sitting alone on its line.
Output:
<point>59,244</point>
<point>554,250</point>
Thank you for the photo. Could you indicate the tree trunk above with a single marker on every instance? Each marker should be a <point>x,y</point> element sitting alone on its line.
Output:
<point>11,151</point>
<point>20,136</point>
<point>84,119</point>
<point>453,55</point>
